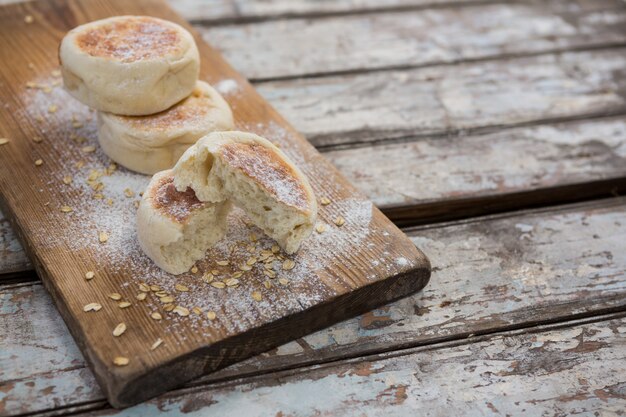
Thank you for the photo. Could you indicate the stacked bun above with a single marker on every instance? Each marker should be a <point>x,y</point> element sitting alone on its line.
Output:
<point>141,74</point>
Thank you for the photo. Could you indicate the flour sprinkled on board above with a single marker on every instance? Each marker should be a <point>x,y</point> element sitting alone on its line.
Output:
<point>227,87</point>
<point>244,279</point>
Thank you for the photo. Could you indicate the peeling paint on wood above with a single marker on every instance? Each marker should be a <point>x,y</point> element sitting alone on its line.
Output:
<point>577,370</point>
<point>488,275</point>
<point>413,38</point>
<point>12,257</point>
<point>216,11</point>
<point>444,99</point>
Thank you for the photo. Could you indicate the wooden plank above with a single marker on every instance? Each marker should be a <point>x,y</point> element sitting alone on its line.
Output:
<point>344,271</point>
<point>445,100</point>
<point>431,178</point>
<point>416,38</point>
<point>577,370</point>
<point>490,275</point>
<point>220,11</point>
<point>12,256</point>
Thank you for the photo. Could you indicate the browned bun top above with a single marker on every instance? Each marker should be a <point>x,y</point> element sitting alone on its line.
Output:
<point>269,170</point>
<point>190,111</point>
<point>170,202</point>
<point>130,38</point>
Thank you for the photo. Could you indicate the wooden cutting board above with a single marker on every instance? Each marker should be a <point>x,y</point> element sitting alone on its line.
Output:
<point>64,197</point>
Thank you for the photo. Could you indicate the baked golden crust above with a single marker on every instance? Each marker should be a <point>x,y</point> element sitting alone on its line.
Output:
<point>191,111</point>
<point>130,39</point>
<point>269,170</point>
<point>175,204</point>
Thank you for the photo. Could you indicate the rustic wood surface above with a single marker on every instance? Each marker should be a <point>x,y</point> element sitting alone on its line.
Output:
<point>493,274</point>
<point>366,262</point>
<point>416,38</point>
<point>575,370</point>
<point>478,115</point>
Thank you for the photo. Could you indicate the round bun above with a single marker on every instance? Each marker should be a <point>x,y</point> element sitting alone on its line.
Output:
<point>129,65</point>
<point>258,177</point>
<point>174,228</point>
<point>148,144</point>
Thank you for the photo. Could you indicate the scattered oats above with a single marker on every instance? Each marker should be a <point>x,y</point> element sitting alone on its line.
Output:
<point>181,311</point>
<point>245,267</point>
<point>124,304</point>
<point>119,329</point>
<point>238,274</point>
<point>31,84</point>
<point>197,310</point>
<point>168,307</point>
<point>56,73</point>
<point>253,237</point>
<point>46,89</point>
<point>67,179</point>
<point>77,124</point>
<point>88,149</point>
<point>275,248</point>
<point>144,287</point>
<point>92,307</point>
<point>156,344</point>
<point>115,296</point>
<point>218,284</point>
<point>66,209</point>
<point>215,272</point>
<point>98,196</point>
<point>155,288</point>
<point>194,269</point>
<point>120,361</point>
<point>211,315</point>
<point>251,261</point>
<point>208,277</point>
<point>28,19</point>
<point>222,263</point>
<point>320,228</point>
<point>3,141</point>
<point>167,299</point>
<point>103,237</point>
<point>283,281</point>
<point>156,315</point>
<point>79,164</point>
<point>232,282</point>
<point>53,108</point>
<point>37,139</point>
<point>39,162</point>
<point>267,284</point>
<point>340,221</point>
<point>288,264</point>
<point>129,193</point>
<point>110,202</point>
<point>136,204</point>
<point>181,288</point>
<point>257,296</point>
<point>324,201</point>
<point>89,275</point>
<point>269,273</point>
<point>141,296</point>
<point>161,294</point>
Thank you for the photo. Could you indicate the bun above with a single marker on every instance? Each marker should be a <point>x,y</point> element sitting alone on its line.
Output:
<point>256,176</point>
<point>174,228</point>
<point>129,65</point>
<point>148,144</point>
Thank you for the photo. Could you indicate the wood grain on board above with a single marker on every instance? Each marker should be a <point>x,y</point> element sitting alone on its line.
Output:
<point>491,274</point>
<point>349,269</point>
<point>416,38</point>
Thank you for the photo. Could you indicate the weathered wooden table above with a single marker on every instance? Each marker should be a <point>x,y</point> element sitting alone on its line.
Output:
<point>495,133</point>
